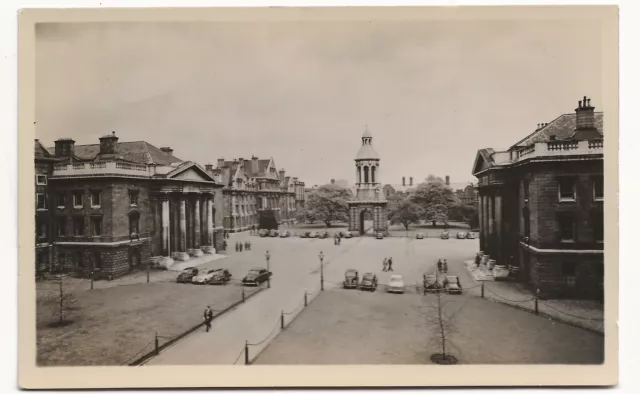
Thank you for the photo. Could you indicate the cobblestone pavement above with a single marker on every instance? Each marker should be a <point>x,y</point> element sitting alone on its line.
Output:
<point>583,313</point>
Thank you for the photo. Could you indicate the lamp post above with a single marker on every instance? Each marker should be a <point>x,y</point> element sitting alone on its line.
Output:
<point>268,257</point>
<point>321,256</point>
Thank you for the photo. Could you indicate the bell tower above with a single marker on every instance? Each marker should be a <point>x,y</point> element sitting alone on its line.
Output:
<point>369,204</point>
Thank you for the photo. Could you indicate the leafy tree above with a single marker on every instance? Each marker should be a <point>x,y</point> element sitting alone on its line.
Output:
<point>435,198</point>
<point>267,220</point>
<point>328,203</point>
<point>464,213</point>
<point>405,212</point>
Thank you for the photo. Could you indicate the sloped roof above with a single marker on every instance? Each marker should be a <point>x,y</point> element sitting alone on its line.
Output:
<point>140,152</point>
<point>399,188</point>
<point>263,165</point>
<point>39,151</point>
<point>561,127</point>
<point>367,152</point>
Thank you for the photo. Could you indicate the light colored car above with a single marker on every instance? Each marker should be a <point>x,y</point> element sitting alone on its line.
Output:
<point>313,234</point>
<point>444,235</point>
<point>452,285</point>
<point>285,234</point>
<point>461,235</point>
<point>379,236</point>
<point>419,236</point>
<point>346,234</point>
<point>396,284</point>
<point>471,235</point>
<point>203,277</point>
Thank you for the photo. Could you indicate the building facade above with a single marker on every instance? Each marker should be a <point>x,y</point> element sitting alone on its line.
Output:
<point>251,186</point>
<point>369,199</point>
<point>468,195</point>
<point>116,206</point>
<point>541,205</point>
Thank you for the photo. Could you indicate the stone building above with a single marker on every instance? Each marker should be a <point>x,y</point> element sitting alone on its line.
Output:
<point>253,185</point>
<point>468,194</point>
<point>541,205</point>
<point>369,198</point>
<point>115,206</point>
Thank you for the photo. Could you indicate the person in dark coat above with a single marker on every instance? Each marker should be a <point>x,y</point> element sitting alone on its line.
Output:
<point>439,265</point>
<point>224,245</point>
<point>208,317</point>
<point>240,246</point>
<point>444,266</point>
<point>389,263</point>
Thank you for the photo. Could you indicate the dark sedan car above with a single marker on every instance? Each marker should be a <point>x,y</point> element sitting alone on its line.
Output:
<point>369,282</point>
<point>350,279</point>
<point>263,233</point>
<point>187,275</point>
<point>221,276</point>
<point>256,276</point>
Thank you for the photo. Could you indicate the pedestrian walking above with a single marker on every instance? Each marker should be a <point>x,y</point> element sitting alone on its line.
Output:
<point>249,244</point>
<point>224,244</point>
<point>439,265</point>
<point>384,265</point>
<point>240,246</point>
<point>390,266</point>
<point>208,317</point>
<point>444,265</point>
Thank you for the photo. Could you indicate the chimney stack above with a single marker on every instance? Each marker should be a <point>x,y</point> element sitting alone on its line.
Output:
<point>109,144</point>
<point>446,180</point>
<point>64,147</point>
<point>333,181</point>
<point>411,181</point>
<point>403,182</point>
<point>585,121</point>
<point>220,162</point>
<point>208,167</point>
<point>167,150</point>
<point>281,172</point>
<point>254,164</point>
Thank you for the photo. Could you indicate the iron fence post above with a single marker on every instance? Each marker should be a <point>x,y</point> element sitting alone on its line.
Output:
<point>482,288</point>
<point>157,344</point>
<point>246,352</point>
<point>536,299</point>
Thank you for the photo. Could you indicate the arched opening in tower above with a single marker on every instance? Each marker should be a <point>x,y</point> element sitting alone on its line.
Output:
<point>359,175</point>
<point>366,174</point>
<point>373,174</point>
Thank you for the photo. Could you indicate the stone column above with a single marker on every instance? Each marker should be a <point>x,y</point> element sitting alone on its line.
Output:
<point>485,223</point>
<point>209,248</point>
<point>497,224</point>
<point>181,254</point>
<point>166,225</point>
<point>481,221</point>
<point>490,226</point>
<point>195,229</point>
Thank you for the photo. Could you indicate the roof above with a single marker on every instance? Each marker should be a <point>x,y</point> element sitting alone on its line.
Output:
<point>140,152</point>
<point>561,127</point>
<point>367,134</point>
<point>39,151</point>
<point>399,188</point>
<point>367,152</point>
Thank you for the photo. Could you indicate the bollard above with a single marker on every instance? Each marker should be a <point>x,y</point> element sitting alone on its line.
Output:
<point>537,296</point>
<point>305,298</point>
<point>91,280</point>
<point>246,352</point>
<point>157,344</point>
<point>482,289</point>
<point>282,320</point>
<point>268,283</point>
<point>147,273</point>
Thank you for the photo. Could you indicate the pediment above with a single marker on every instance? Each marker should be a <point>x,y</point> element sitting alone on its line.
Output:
<point>192,172</point>
<point>480,164</point>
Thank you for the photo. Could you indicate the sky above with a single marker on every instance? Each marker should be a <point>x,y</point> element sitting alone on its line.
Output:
<point>431,92</point>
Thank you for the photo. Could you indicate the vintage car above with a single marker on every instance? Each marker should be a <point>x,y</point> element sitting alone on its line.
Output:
<point>221,276</point>
<point>452,285</point>
<point>369,281</point>
<point>323,235</point>
<point>273,233</point>
<point>461,235</point>
<point>263,233</point>
<point>304,234</point>
<point>187,274</point>
<point>379,235</point>
<point>256,276</point>
<point>203,277</point>
<point>285,234</point>
<point>396,284</point>
<point>471,235</point>
<point>419,236</point>
<point>444,235</point>
<point>346,234</point>
<point>313,234</point>
<point>350,279</point>
<point>430,282</point>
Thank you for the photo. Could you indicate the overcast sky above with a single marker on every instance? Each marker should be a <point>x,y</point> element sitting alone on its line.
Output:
<point>432,93</point>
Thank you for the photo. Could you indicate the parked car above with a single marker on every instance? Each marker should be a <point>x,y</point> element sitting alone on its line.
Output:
<point>313,234</point>
<point>346,234</point>
<point>256,276</point>
<point>305,234</point>
<point>461,235</point>
<point>471,235</point>
<point>369,281</point>
<point>221,276</point>
<point>350,279</point>
<point>187,274</point>
<point>379,235</point>
<point>203,277</point>
<point>419,236</point>
<point>285,234</point>
<point>323,235</point>
<point>452,285</point>
<point>273,233</point>
<point>396,284</point>
<point>263,233</point>
<point>430,282</point>
<point>444,235</point>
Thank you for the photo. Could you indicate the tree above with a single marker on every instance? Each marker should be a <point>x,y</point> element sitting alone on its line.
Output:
<point>405,212</point>
<point>61,301</point>
<point>267,220</point>
<point>435,198</point>
<point>443,327</point>
<point>328,203</point>
<point>467,213</point>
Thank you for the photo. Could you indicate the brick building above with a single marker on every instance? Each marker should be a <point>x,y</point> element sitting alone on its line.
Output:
<point>468,195</point>
<point>115,206</point>
<point>251,186</point>
<point>541,205</point>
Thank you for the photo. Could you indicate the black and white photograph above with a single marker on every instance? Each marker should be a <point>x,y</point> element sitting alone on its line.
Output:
<point>410,187</point>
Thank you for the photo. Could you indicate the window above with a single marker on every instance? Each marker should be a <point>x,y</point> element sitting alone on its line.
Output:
<point>569,273</point>
<point>567,227</point>
<point>97,261</point>
<point>79,260</point>
<point>77,199</point>
<point>598,189</point>
<point>133,198</point>
<point>566,189</point>
<point>78,225</point>
<point>96,226</point>
<point>95,199</point>
<point>134,221</point>
<point>60,200</point>
<point>41,179</point>
<point>598,226</point>
<point>526,191</point>
<point>42,228</point>
<point>41,201</point>
<point>62,226</point>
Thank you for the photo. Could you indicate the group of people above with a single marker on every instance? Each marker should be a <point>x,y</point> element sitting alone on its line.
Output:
<point>387,264</point>
<point>246,245</point>
<point>442,265</point>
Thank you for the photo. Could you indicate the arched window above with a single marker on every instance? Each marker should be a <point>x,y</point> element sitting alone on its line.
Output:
<point>359,175</point>
<point>134,223</point>
<point>373,174</point>
<point>366,174</point>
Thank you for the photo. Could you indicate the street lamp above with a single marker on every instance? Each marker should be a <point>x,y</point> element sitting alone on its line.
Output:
<point>321,256</point>
<point>268,257</point>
